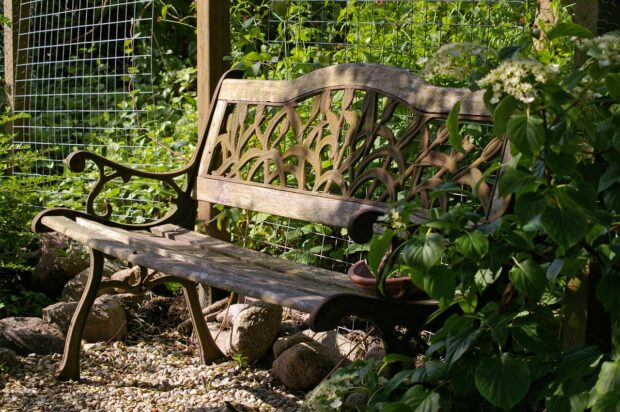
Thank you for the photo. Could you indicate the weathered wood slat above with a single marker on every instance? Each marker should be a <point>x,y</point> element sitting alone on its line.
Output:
<point>194,244</point>
<point>225,272</point>
<point>400,83</point>
<point>308,206</point>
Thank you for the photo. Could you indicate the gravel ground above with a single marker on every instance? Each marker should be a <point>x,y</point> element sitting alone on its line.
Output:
<point>157,370</point>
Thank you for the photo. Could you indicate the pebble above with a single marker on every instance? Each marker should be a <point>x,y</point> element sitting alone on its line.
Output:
<point>147,376</point>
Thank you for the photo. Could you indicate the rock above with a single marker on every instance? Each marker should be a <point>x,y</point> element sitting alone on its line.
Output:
<point>334,339</point>
<point>74,288</point>
<point>254,330</point>
<point>30,335</point>
<point>227,316</point>
<point>304,365</point>
<point>222,338</point>
<point>328,338</point>
<point>8,358</point>
<point>375,352</point>
<point>57,265</point>
<point>129,301</point>
<point>107,320</point>
<point>285,342</point>
<point>355,401</point>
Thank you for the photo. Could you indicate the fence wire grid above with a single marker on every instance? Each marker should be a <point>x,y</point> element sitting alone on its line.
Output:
<point>301,35</point>
<point>84,73</point>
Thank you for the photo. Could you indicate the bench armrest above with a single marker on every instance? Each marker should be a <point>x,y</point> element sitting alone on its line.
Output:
<point>108,171</point>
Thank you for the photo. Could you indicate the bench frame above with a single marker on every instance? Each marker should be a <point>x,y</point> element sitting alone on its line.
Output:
<point>204,182</point>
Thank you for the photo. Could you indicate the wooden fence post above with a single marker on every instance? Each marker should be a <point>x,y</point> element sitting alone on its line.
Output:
<point>213,44</point>
<point>12,42</point>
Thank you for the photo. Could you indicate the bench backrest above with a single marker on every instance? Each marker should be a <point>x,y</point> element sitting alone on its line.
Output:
<point>339,140</point>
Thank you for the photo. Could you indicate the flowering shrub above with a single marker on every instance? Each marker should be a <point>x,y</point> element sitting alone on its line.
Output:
<point>519,287</point>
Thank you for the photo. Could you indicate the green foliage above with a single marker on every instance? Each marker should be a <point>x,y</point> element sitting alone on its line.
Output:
<point>505,347</point>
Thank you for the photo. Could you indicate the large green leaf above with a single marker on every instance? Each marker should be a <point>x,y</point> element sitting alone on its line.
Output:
<point>421,399</point>
<point>534,337</point>
<point>529,278</point>
<point>427,255</point>
<point>527,133</point>
<point>473,245</point>
<point>452,123</point>
<point>378,246</point>
<point>569,29</point>
<point>439,283</point>
<point>611,176</point>
<point>566,226</point>
<point>579,362</point>
<point>570,396</point>
<point>502,380</point>
<point>517,181</point>
<point>529,205</point>
<point>607,388</point>
<point>459,342</point>
<point>502,113</point>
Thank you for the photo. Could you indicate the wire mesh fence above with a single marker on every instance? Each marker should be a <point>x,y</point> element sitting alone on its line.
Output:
<point>85,78</point>
<point>299,35</point>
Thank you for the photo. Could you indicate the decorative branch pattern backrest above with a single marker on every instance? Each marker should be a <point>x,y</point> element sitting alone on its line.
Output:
<point>355,136</point>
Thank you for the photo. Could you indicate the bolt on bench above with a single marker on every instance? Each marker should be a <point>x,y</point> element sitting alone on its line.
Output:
<point>336,146</point>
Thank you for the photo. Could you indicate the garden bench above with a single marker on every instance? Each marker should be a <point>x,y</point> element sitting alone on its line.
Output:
<point>336,147</point>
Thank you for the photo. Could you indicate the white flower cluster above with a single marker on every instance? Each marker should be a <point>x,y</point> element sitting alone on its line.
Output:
<point>605,48</point>
<point>454,60</point>
<point>517,78</point>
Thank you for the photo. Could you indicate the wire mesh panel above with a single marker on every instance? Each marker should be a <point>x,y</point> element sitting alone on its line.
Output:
<point>86,79</point>
<point>303,34</point>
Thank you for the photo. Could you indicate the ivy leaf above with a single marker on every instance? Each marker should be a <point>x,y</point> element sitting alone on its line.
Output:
<point>612,81</point>
<point>566,226</point>
<point>452,123</point>
<point>610,402</point>
<point>421,399</point>
<point>569,29</point>
<point>473,245</point>
<point>502,380</point>
<point>505,108</point>
<point>526,133</point>
<point>529,278</point>
<point>554,269</point>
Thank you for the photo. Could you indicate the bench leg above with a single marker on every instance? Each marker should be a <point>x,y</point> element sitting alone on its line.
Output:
<point>69,369</point>
<point>209,351</point>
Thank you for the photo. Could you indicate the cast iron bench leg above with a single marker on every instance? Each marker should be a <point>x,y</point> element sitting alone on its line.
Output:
<point>209,351</point>
<point>69,369</point>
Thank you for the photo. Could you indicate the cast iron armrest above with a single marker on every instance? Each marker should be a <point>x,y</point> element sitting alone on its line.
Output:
<point>181,213</point>
<point>360,226</point>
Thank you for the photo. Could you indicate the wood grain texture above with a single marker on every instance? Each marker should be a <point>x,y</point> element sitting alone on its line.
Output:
<point>260,276</point>
<point>393,81</point>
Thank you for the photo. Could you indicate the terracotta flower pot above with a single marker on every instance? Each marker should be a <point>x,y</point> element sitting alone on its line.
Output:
<point>396,287</point>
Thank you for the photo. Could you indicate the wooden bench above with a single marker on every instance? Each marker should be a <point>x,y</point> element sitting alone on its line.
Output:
<point>336,147</point>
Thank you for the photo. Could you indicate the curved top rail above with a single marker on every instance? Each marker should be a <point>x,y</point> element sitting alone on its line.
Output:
<point>399,83</point>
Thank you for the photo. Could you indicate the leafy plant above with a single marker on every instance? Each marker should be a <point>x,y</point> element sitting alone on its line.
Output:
<point>513,337</point>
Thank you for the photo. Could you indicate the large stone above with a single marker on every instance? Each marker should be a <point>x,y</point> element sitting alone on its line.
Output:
<point>74,288</point>
<point>254,330</point>
<point>30,335</point>
<point>283,343</point>
<point>304,365</point>
<point>106,321</point>
<point>57,265</point>
<point>228,315</point>
<point>221,337</point>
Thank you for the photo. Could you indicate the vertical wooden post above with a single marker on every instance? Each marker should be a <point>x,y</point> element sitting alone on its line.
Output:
<point>11,45</point>
<point>213,45</point>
